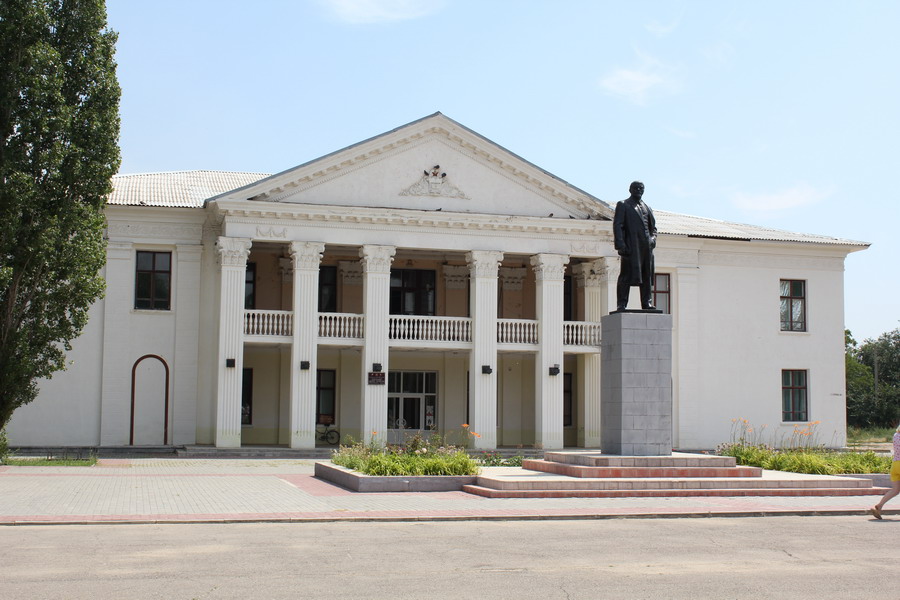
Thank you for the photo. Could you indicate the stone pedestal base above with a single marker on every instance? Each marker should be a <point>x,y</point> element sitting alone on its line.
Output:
<point>636,384</point>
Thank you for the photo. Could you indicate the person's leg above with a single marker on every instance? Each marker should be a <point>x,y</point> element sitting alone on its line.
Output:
<point>895,489</point>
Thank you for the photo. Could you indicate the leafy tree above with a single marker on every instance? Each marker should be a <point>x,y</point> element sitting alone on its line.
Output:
<point>872,403</point>
<point>59,126</point>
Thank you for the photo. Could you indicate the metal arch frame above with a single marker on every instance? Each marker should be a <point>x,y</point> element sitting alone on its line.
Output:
<point>133,381</point>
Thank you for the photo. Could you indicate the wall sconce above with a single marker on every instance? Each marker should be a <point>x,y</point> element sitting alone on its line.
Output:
<point>376,367</point>
<point>486,369</point>
<point>230,363</point>
<point>554,370</point>
<point>304,365</point>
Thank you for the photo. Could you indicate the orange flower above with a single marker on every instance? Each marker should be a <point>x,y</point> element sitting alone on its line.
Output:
<point>478,435</point>
<point>465,425</point>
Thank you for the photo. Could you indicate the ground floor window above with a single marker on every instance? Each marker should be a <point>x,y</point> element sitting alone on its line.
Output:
<point>412,400</point>
<point>247,397</point>
<point>794,404</point>
<point>567,400</point>
<point>325,396</point>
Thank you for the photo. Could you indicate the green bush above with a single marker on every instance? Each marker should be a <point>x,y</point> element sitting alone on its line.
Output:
<point>419,456</point>
<point>815,461</point>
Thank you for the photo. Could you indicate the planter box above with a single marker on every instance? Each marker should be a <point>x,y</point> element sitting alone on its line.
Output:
<point>359,482</point>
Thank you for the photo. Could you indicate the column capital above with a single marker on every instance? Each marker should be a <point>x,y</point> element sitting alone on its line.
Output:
<point>590,274</point>
<point>307,255</point>
<point>512,277</point>
<point>455,276</point>
<point>484,263</point>
<point>549,267</point>
<point>377,259</point>
<point>233,252</point>
<point>351,272</point>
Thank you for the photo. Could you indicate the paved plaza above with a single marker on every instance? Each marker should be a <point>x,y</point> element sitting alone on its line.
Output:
<point>178,490</point>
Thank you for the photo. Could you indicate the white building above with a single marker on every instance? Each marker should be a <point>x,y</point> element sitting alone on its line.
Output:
<point>378,292</point>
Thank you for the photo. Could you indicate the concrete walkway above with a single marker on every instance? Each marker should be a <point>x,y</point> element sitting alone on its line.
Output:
<point>178,490</point>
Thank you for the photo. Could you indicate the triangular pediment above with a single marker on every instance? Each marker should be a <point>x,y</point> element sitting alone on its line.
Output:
<point>433,164</point>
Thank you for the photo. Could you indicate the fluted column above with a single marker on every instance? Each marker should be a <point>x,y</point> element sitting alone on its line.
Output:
<point>304,347</point>
<point>549,271</point>
<point>590,280</point>
<point>608,280</point>
<point>376,263</point>
<point>483,267</point>
<point>233,253</point>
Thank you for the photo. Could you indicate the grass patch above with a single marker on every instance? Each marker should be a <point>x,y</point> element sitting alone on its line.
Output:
<point>51,462</point>
<point>806,460</point>
<point>419,456</point>
<point>864,435</point>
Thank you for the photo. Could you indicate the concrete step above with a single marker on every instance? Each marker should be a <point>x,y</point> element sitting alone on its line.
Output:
<point>596,459</point>
<point>562,483</point>
<point>576,470</point>
<point>255,452</point>
<point>663,493</point>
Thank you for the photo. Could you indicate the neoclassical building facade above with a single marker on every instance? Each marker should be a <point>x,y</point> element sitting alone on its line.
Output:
<point>418,281</point>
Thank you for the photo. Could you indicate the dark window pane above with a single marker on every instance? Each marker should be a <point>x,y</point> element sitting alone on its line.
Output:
<point>412,413</point>
<point>143,286</point>
<point>394,382</point>
<point>430,383</point>
<point>797,289</point>
<point>247,397</point>
<point>163,260</point>
<point>160,287</point>
<point>393,413</point>
<point>145,261</point>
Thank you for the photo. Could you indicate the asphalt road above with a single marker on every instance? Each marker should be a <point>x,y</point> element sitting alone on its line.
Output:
<point>774,557</point>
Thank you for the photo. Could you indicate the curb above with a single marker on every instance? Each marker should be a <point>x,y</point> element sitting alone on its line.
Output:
<point>457,518</point>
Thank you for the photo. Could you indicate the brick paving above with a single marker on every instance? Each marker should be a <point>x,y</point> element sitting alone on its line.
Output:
<point>173,490</point>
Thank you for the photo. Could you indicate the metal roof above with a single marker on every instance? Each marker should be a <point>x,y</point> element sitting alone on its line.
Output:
<point>176,189</point>
<point>190,189</point>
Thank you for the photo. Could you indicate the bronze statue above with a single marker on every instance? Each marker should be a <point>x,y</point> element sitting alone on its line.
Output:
<point>634,234</point>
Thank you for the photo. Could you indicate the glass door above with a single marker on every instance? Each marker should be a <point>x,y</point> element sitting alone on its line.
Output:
<point>412,404</point>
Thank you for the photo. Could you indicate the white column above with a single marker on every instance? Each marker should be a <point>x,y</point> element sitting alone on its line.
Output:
<point>687,409</point>
<point>549,270</point>
<point>609,280</point>
<point>183,408</point>
<point>304,347</point>
<point>376,263</point>
<point>233,253</point>
<point>590,280</point>
<point>483,267</point>
<point>115,394</point>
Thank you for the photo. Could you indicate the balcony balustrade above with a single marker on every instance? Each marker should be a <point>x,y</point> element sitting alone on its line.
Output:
<point>415,328</point>
<point>268,323</point>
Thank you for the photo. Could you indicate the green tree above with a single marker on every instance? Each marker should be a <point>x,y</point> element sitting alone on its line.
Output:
<point>59,125</point>
<point>873,380</point>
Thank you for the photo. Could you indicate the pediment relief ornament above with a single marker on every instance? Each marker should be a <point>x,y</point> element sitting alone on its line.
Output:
<point>434,183</point>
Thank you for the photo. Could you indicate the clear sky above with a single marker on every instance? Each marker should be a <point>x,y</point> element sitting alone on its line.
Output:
<point>777,113</point>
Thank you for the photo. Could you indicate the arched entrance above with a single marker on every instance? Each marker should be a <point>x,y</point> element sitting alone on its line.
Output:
<point>145,409</point>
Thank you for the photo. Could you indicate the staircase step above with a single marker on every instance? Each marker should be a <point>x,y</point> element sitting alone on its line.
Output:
<point>596,459</point>
<point>538,483</point>
<point>663,493</point>
<point>577,470</point>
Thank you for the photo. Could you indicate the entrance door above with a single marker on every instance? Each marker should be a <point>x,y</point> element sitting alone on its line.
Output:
<point>412,404</point>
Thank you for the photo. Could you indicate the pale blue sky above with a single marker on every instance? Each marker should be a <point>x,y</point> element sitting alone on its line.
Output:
<point>773,113</point>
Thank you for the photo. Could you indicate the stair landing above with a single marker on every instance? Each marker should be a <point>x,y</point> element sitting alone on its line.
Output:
<point>593,475</point>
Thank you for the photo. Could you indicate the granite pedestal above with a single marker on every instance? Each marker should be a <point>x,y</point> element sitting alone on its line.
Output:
<point>636,384</point>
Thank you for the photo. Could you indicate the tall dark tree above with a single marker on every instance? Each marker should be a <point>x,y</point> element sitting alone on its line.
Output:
<point>59,126</point>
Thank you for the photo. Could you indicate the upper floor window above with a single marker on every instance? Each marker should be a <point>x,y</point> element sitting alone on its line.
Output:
<point>662,292</point>
<point>794,405</point>
<point>250,287</point>
<point>327,288</point>
<point>793,305</point>
<point>412,292</point>
<point>152,280</point>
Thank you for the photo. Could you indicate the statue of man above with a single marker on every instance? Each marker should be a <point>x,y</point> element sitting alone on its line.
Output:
<point>634,233</point>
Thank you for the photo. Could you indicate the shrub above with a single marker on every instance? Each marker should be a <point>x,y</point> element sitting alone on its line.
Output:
<point>419,456</point>
<point>4,446</point>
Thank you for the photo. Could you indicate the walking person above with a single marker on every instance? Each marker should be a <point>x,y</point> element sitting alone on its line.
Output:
<point>895,478</point>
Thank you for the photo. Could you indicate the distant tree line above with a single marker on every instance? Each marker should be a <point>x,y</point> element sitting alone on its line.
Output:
<point>873,380</point>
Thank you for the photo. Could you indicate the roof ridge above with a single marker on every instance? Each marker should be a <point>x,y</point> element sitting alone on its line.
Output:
<point>148,173</point>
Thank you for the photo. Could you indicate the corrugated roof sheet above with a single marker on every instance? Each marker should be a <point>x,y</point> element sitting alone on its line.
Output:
<point>678,224</point>
<point>176,189</point>
<point>190,189</point>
